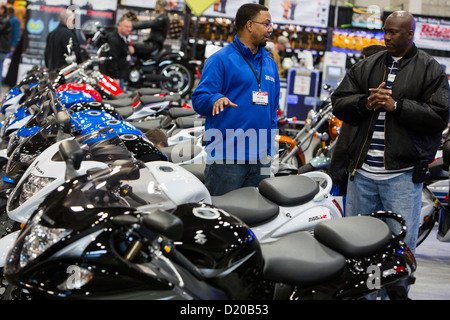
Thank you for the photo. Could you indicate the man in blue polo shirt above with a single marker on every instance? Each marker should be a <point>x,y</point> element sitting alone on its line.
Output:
<point>239,95</point>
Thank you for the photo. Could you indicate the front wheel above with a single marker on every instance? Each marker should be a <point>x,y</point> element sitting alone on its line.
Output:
<point>181,78</point>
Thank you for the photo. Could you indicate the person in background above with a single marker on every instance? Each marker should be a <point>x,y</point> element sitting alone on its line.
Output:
<point>339,158</point>
<point>238,94</point>
<point>15,24</point>
<point>281,45</point>
<point>370,50</point>
<point>157,137</point>
<point>57,41</point>
<point>5,38</point>
<point>399,100</point>
<point>20,11</point>
<point>118,67</point>
<point>270,47</point>
<point>160,28</point>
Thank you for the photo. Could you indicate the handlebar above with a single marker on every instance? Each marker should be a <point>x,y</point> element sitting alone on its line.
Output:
<point>147,226</point>
<point>394,216</point>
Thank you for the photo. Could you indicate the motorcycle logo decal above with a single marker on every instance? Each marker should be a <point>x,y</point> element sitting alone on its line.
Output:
<point>52,24</point>
<point>200,238</point>
<point>35,26</point>
<point>315,218</point>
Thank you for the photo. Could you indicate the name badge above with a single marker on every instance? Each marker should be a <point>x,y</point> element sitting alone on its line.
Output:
<point>260,98</point>
<point>391,77</point>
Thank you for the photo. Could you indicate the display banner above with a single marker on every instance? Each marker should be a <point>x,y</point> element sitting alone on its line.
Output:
<point>369,17</point>
<point>43,17</point>
<point>224,8</point>
<point>432,33</point>
<point>311,13</point>
<point>177,5</point>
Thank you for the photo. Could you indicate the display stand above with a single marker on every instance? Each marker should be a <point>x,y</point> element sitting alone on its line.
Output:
<point>302,91</point>
<point>333,71</point>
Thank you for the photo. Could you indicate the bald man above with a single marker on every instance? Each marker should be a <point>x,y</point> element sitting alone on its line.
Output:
<point>399,101</point>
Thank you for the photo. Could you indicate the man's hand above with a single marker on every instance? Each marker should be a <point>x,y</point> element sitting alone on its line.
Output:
<point>220,103</point>
<point>380,98</point>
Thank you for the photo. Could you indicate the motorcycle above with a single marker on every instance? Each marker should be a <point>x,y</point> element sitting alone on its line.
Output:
<point>169,70</point>
<point>90,232</point>
<point>435,203</point>
<point>166,69</point>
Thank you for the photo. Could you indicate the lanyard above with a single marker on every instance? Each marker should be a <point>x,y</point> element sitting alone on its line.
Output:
<point>258,80</point>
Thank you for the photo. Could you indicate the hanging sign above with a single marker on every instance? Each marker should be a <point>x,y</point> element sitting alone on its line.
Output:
<point>432,33</point>
<point>199,6</point>
<point>312,13</point>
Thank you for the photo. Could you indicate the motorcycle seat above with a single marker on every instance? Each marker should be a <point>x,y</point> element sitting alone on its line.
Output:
<point>197,169</point>
<point>154,99</point>
<point>248,205</point>
<point>147,124</point>
<point>300,259</point>
<point>182,151</point>
<point>189,122</point>
<point>354,237</point>
<point>120,103</point>
<point>180,112</point>
<point>292,190</point>
<point>124,112</point>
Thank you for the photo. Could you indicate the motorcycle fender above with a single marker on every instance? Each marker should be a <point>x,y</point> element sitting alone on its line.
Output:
<point>173,59</point>
<point>6,243</point>
<point>439,189</point>
<point>320,162</point>
<point>307,220</point>
<point>10,105</point>
<point>180,185</point>
<point>149,110</point>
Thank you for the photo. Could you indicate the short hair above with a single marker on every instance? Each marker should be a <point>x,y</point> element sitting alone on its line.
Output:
<point>163,3</point>
<point>65,15</point>
<point>157,136</point>
<point>125,17</point>
<point>247,12</point>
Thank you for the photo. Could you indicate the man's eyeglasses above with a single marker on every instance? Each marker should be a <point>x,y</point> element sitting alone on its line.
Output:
<point>267,25</point>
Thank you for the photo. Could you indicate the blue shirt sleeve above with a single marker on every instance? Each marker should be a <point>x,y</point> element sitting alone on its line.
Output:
<point>209,87</point>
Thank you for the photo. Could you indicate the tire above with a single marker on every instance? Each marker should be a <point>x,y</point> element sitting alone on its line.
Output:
<point>426,227</point>
<point>183,78</point>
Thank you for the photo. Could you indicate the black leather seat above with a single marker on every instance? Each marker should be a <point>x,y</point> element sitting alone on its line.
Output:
<point>290,190</point>
<point>354,237</point>
<point>299,258</point>
<point>248,205</point>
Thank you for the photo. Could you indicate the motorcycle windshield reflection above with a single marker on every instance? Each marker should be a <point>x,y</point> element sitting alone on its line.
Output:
<point>123,184</point>
<point>24,151</point>
<point>103,145</point>
<point>126,182</point>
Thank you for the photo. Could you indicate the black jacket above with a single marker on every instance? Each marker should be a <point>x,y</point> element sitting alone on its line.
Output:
<point>56,47</point>
<point>118,67</point>
<point>160,28</point>
<point>413,131</point>
<point>5,34</point>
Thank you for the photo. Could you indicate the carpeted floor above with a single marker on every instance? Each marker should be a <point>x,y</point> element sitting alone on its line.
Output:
<point>433,270</point>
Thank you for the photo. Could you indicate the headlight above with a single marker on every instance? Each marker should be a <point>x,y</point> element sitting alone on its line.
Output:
<point>134,76</point>
<point>26,190</point>
<point>33,185</point>
<point>38,240</point>
<point>8,120</point>
<point>311,117</point>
